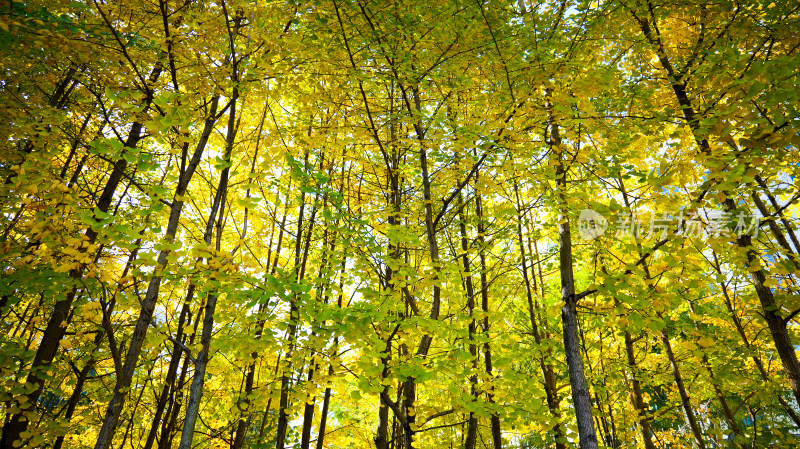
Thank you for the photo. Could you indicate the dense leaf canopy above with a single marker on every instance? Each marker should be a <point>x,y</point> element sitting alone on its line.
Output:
<point>396,224</point>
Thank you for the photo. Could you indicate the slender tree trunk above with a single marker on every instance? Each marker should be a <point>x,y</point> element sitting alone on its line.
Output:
<point>600,420</point>
<point>494,420</point>
<point>569,313</point>
<point>136,403</point>
<point>638,398</point>
<point>54,331</point>
<point>382,440</point>
<point>792,250</point>
<point>472,421</point>
<point>328,244</point>
<point>327,399</point>
<point>686,403</point>
<point>726,409</point>
<point>308,411</point>
<point>242,425</point>
<point>323,419</point>
<point>124,378</point>
<point>410,386</point>
<point>244,398</point>
<point>770,310</point>
<point>72,403</point>
<point>548,380</point>
<point>172,370</point>
<point>57,100</point>
<point>746,341</point>
<point>176,400</point>
<point>293,319</point>
<point>614,441</point>
<point>691,419</point>
<point>201,362</point>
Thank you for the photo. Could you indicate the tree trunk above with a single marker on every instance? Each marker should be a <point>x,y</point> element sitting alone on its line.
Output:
<point>494,420</point>
<point>106,434</point>
<point>301,253</point>
<point>726,410</point>
<point>569,313</point>
<point>54,331</point>
<point>201,362</point>
<point>746,341</point>
<point>638,398</point>
<point>172,370</point>
<point>691,419</point>
<point>472,421</point>
<point>176,395</point>
<point>308,412</point>
<point>324,415</point>
<point>72,403</point>
<point>777,325</point>
<point>548,379</point>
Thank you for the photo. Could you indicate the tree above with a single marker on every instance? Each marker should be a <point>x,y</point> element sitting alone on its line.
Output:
<point>362,223</point>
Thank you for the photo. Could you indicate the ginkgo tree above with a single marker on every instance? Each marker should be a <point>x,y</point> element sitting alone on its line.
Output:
<point>355,223</point>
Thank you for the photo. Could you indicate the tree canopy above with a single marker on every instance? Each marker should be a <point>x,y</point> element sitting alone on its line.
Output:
<point>399,224</point>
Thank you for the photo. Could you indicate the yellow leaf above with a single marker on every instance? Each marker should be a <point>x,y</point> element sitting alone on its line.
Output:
<point>705,341</point>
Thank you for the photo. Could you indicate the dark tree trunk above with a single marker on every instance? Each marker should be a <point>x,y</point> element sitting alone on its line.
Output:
<point>54,331</point>
<point>569,313</point>
<point>472,421</point>
<point>308,413</point>
<point>770,311</point>
<point>494,420</point>
<point>691,419</point>
<point>114,409</point>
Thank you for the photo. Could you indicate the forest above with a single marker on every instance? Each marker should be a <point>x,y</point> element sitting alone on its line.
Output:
<point>477,224</point>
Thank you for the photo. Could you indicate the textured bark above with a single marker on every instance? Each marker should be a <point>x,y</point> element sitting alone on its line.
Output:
<point>382,433</point>
<point>569,314</point>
